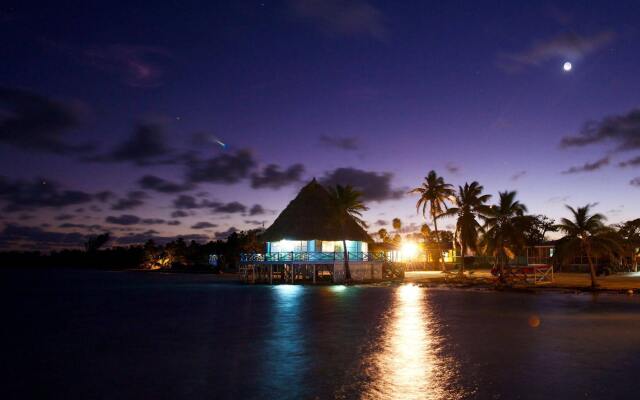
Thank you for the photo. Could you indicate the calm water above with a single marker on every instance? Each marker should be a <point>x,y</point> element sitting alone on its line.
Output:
<point>125,335</point>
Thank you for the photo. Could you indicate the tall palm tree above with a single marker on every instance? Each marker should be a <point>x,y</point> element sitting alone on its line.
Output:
<point>630,233</point>
<point>504,227</point>
<point>469,204</point>
<point>426,236</point>
<point>587,234</point>
<point>348,205</point>
<point>434,194</point>
<point>397,225</point>
<point>383,234</point>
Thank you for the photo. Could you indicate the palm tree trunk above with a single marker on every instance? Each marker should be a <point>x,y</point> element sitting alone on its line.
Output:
<point>435,228</point>
<point>462,248</point>
<point>592,268</point>
<point>347,271</point>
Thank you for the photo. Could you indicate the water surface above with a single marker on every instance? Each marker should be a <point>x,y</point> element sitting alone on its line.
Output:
<point>106,335</point>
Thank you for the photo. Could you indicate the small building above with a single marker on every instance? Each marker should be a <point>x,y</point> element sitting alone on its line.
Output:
<point>305,243</point>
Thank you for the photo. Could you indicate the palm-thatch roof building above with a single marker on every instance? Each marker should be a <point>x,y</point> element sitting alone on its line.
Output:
<point>306,242</point>
<point>310,223</point>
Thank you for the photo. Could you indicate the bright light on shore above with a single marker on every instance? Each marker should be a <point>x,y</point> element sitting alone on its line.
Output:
<point>408,250</point>
<point>567,66</point>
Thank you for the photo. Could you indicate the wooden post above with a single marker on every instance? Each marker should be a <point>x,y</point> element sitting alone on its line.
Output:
<point>314,274</point>
<point>270,274</point>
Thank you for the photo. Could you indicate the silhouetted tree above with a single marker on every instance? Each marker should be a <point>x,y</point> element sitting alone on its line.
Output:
<point>434,195</point>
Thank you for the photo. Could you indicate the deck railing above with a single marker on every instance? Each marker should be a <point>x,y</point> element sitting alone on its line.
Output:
<point>309,257</point>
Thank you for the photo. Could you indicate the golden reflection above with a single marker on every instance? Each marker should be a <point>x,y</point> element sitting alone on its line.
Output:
<point>407,365</point>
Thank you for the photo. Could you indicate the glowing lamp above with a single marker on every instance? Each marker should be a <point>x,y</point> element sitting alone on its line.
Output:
<point>408,250</point>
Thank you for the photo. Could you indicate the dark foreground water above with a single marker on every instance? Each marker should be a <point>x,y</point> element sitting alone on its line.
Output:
<point>126,335</point>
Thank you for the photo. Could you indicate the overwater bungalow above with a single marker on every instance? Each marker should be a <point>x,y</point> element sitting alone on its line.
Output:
<point>305,244</point>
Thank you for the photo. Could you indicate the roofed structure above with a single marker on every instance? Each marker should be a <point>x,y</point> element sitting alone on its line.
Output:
<point>312,216</point>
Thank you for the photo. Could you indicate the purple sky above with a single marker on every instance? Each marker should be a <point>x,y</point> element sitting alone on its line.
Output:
<point>109,115</point>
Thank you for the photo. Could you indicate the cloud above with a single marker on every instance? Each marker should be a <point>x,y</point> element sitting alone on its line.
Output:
<point>137,66</point>
<point>588,167</point>
<point>64,217</point>
<point>125,219</point>
<point>105,196</point>
<point>225,234</point>
<point>140,238</point>
<point>152,182</point>
<point>38,193</point>
<point>226,168</point>
<point>374,186</point>
<point>623,131</point>
<point>518,175</point>
<point>179,214</point>
<point>229,208</point>
<point>558,199</point>
<point>635,182</point>
<point>36,123</point>
<point>342,143</point>
<point>344,17</point>
<point>256,209</point>
<point>147,146</point>
<point>452,168</point>
<point>93,227</point>
<point>381,222</point>
<point>567,46</point>
<point>152,221</point>
<point>134,199</point>
<point>253,222</point>
<point>203,225</point>
<point>14,236</point>
<point>634,162</point>
<point>186,202</point>
<point>274,178</point>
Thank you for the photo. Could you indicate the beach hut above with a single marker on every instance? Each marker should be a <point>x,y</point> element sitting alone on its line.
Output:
<point>305,242</point>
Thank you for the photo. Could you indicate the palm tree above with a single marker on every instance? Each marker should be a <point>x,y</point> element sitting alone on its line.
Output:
<point>383,234</point>
<point>587,234</point>
<point>348,204</point>
<point>434,194</point>
<point>630,233</point>
<point>397,225</point>
<point>469,204</point>
<point>504,227</point>
<point>426,235</point>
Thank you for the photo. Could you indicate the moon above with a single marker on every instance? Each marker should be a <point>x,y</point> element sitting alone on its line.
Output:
<point>567,66</point>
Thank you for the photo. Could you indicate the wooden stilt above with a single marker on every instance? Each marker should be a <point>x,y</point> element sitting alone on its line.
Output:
<point>270,274</point>
<point>314,274</point>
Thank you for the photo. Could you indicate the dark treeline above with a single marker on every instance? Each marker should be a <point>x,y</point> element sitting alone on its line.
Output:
<point>175,255</point>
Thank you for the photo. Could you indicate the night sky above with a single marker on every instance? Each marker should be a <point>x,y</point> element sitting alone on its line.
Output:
<point>199,118</point>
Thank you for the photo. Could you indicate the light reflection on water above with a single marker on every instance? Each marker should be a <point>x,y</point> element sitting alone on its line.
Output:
<point>286,344</point>
<point>202,340</point>
<point>406,365</point>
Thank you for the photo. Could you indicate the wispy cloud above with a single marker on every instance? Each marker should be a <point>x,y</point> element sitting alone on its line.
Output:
<point>518,175</point>
<point>340,142</point>
<point>344,17</point>
<point>588,167</point>
<point>621,130</point>
<point>33,122</point>
<point>452,168</point>
<point>138,66</point>
<point>567,46</point>
<point>373,185</point>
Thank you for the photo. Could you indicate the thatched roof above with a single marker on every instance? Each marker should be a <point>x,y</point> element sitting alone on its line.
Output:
<point>311,216</point>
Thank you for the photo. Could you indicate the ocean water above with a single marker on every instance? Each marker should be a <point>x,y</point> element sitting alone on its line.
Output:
<point>133,335</point>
